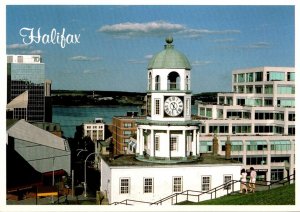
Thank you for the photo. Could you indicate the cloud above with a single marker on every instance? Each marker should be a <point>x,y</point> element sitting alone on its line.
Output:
<point>258,45</point>
<point>17,46</point>
<point>149,56</point>
<point>201,63</point>
<point>36,52</point>
<point>84,58</point>
<point>129,29</point>
<point>136,61</point>
<point>87,71</point>
<point>225,40</point>
<point>196,33</point>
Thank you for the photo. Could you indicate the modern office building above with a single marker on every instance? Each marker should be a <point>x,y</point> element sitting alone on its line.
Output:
<point>259,117</point>
<point>166,161</point>
<point>26,73</point>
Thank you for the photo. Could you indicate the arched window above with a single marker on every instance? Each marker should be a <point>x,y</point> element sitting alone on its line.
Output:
<point>150,81</point>
<point>157,82</point>
<point>173,81</point>
<point>187,83</point>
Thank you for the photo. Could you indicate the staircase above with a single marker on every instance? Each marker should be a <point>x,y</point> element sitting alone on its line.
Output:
<point>197,196</point>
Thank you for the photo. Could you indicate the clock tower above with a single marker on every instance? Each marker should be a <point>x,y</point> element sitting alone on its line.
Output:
<point>168,134</point>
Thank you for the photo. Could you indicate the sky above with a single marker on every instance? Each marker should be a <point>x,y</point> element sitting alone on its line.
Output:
<point>116,42</point>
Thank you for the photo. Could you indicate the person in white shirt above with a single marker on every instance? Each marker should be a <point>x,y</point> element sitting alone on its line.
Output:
<point>252,180</point>
<point>243,181</point>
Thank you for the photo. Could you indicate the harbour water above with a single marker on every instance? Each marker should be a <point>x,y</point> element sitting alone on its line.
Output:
<point>70,117</point>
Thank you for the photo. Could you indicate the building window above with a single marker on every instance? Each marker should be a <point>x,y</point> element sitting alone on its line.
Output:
<point>257,145</point>
<point>173,81</point>
<point>249,89</point>
<point>187,83</point>
<point>173,143</point>
<point>157,106</point>
<point>258,89</point>
<point>268,102</point>
<point>276,174</point>
<point>241,78</point>
<point>291,130</point>
<point>258,76</point>
<point>227,178</point>
<point>256,160</point>
<point>291,116</point>
<point>177,184</point>
<point>202,111</point>
<point>206,183</point>
<point>157,83</point>
<point>20,59</point>
<point>268,89</point>
<point>290,76</point>
<point>219,113</point>
<point>209,112</point>
<point>205,146</point>
<point>124,185</point>
<point>249,77</point>
<point>127,125</point>
<point>218,129</point>
<point>127,132</point>
<point>264,129</point>
<point>275,76</point>
<point>241,129</point>
<point>187,105</point>
<point>282,89</point>
<point>148,185</point>
<point>150,81</point>
<point>157,143</point>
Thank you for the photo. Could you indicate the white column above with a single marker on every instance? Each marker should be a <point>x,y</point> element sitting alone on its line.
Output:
<point>168,145</point>
<point>292,159</point>
<point>194,143</point>
<point>142,142</point>
<point>244,152</point>
<point>269,161</point>
<point>185,143</point>
<point>152,149</point>
<point>138,140</point>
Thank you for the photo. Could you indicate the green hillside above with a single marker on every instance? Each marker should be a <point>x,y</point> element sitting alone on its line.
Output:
<point>284,195</point>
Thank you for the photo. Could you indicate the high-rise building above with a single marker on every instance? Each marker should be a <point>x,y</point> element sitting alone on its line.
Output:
<point>259,117</point>
<point>26,73</point>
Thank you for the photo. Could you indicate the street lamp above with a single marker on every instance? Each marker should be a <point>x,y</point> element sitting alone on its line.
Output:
<point>80,150</point>
<point>85,171</point>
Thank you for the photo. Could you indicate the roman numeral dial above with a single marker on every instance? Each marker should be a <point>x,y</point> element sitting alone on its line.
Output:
<point>173,106</point>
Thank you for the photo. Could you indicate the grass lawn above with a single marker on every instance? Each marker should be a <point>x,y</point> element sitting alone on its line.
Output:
<point>284,195</point>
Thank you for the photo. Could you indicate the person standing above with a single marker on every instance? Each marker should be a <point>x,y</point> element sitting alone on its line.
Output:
<point>252,180</point>
<point>243,181</point>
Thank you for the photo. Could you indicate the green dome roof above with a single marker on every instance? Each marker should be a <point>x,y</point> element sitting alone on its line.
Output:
<point>169,58</point>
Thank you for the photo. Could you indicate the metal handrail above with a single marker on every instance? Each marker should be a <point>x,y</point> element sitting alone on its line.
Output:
<point>211,191</point>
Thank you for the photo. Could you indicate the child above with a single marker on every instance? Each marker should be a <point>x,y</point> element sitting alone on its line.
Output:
<point>243,181</point>
<point>252,180</point>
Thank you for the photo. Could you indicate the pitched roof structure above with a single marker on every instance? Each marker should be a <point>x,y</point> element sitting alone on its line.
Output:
<point>20,101</point>
<point>25,131</point>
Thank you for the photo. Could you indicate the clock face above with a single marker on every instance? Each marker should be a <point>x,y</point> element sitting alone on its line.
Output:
<point>173,106</point>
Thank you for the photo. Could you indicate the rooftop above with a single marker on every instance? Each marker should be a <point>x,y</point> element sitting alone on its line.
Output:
<point>169,58</point>
<point>130,160</point>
